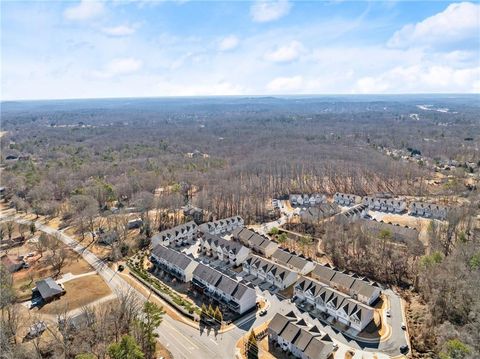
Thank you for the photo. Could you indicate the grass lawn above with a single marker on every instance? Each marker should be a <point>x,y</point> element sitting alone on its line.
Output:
<point>79,292</point>
<point>24,280</point>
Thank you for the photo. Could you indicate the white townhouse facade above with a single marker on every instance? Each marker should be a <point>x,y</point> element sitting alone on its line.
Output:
<point>385,204</point>
<point>338,305</point>
<point>173,262</point>
<point>346,199</point>
<point>222,226</point>
<point>182,234</point>
<point>228,251</point>
<point>269,272</point>
<point>235,295</point>
<point>307,200</point>
<point>359,288</point>
<point>428,210</point>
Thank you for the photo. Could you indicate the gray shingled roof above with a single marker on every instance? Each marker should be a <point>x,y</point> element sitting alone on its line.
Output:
<point>178,259</point>
<point>343,280</point>
<point>48,288</point>
<point>290,332</point>
<point>278,323</point>
<point>207,274</point>
<point>324,273</point>
<point>318,349</point>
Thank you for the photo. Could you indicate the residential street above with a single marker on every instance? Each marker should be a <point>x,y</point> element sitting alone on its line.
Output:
<point>187,342</point>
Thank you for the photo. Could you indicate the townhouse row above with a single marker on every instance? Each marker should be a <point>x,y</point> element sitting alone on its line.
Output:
<point>377,203</point>
<point>255,241</point>
<point>218,286</point>
<point>293,335</point>
<point>306,200</point>
<point>187,233</point>
<point>428,210</point>
<point>359,288</point>
<point>336,304</point>
<point>230,252</point>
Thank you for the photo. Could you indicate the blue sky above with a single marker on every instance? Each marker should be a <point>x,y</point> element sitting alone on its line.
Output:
<point>120,48</point>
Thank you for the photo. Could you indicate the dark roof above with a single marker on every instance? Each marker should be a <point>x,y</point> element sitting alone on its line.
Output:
<point>48,288</point>
<point>290,332</point>
<point>207,274</point>
<point>303,339</point>
<point>324,273</point>
<point>178,259</point>
<point>318,349</point>
<point>278,323</point>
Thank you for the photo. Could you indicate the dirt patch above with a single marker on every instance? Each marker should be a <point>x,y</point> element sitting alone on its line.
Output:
<point>78,293</point>
<point>24,280</point>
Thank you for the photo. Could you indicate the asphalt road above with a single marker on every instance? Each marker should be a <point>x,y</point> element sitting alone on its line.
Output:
<point>187,342</point>
<point>181,339</point>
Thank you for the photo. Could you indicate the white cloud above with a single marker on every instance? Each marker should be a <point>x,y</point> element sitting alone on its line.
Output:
<point>421,78</point>
<point>228,43</point>
<point>287,53</point>
<point>121,66</point>
<point>121,30</point>
<point>265,10</point>
<point>285,84</point>
<point>457,22</point>
<point>85,10</point>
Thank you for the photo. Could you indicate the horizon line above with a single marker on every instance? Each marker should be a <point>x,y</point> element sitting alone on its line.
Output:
<point>245,96</point>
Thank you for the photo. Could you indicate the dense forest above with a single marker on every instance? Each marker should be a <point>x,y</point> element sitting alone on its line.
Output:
<point>84,159</point>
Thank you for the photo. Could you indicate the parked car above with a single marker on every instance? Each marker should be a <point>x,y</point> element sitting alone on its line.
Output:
<point>404,349</point>
<point>35,302</point>
<point>404,327</point>
<point>389,314</point>
<point>263,312</point>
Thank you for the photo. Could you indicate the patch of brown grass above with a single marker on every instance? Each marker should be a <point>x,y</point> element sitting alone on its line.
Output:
<point>78,293</point>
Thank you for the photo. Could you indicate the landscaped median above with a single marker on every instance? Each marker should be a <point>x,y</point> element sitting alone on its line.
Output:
<point>187,308</point>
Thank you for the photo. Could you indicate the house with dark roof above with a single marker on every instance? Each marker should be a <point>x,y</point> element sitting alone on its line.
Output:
<point>269,271</point>
<point>229,251</point>
<point>222,226</point>
<point>224,289</point>
<point>48,290</point>
<point>298,338</point>
<point>295,262</point>
<point>181,234</point>
<point>255,241</point>
<point>173,262</point>
<point>316,214</point>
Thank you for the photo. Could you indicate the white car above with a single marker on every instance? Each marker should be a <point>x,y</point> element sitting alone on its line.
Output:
<point>388,313</point>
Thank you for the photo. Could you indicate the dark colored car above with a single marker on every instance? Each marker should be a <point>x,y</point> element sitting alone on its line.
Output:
<point>404,349</point>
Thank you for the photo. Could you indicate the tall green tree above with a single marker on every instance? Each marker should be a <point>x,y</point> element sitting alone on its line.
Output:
<point>126,349</point>
<point>152,317</point>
